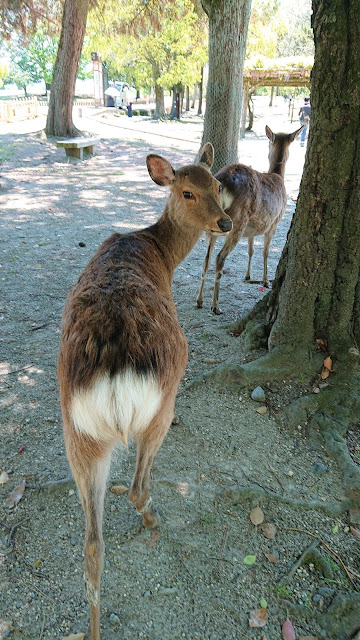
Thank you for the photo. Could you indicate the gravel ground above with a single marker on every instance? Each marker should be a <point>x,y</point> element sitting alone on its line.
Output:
<point>188,578</point>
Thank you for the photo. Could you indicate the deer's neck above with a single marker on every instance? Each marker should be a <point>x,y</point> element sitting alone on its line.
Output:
<point>278,167</point>
<point>174,239</point>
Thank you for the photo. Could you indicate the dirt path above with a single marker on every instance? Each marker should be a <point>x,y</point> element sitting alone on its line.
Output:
<point>188,580</point>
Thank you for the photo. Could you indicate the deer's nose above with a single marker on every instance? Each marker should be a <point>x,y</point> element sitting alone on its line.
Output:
<point>225,225</point>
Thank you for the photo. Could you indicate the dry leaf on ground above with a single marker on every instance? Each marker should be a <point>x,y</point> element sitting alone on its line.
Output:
<point>257,516</point>
<point>271,557</point>
<point>288,630</point>
<point>269,530</point>
<point>4,477</point>
<point>75,636</point>
<point>15,496</point>
<point>355,532</point>
<point>119,489</point>
<point>328,363</point>
<point>258,618</point>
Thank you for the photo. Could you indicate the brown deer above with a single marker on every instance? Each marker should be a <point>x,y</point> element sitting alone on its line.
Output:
<point>123,353</point>
<point>255,203</point>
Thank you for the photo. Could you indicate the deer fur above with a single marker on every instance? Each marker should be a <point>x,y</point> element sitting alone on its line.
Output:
<point>123,353</point>
<point>255,203</point>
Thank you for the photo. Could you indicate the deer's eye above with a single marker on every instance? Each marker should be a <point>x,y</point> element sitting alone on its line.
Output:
<point>188,195</point>
<point>220,188</point>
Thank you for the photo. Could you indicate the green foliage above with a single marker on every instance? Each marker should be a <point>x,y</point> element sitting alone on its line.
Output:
<point>4,70</point>
<point>33,60</point>
<point>280,29</point>
<point>36,58</point>
<point>150,44</point>
<point>267,64</point>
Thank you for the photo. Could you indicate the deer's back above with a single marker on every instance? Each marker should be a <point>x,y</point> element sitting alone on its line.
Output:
<point>119,317</point>
<point>259,196</point>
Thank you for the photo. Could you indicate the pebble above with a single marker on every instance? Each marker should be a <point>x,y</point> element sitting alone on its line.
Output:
<point>167,591</point>
<point>319,467</point>
<point>114,619</point>
<point>258,395</point>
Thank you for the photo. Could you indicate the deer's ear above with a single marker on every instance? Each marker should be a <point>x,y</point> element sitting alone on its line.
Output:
<point>270,134</point>
<point>207,155</point>
<point>160,170</point>
<point>295,134</point>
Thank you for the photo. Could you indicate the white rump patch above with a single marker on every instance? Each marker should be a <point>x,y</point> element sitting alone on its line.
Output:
<point>122,406</point>
<point>226,198</point>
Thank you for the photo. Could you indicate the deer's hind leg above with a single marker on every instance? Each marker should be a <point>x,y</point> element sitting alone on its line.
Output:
<point>268,236</point>
<point>250,254</point>
<point>148,443</point>
<point>90,462</point>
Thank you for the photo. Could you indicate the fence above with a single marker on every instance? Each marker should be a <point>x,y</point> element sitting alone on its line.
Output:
<point>20,109</point>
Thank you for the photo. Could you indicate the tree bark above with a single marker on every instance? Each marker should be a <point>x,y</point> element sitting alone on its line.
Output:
<point>228,26</point>
<point>159,102</point>
<point>59,119</point>
<point>316,293</point>
<point>201,87</point>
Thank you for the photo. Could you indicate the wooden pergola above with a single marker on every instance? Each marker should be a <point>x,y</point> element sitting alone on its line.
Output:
<point>253,78</point>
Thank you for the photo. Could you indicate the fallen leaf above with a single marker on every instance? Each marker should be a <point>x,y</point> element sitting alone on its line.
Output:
<point>269,530</point>
<point>155,537</point>
<point>258,618</point>
<point>328,363</point>
<point>309,638</point>
<point>324,374</point>
<point>37,562</point>
<point>119,489</point>
<point>22,448</point>
<point>335,529</point>
<point>15,496</point>
<point>74,636</point>
<point>288,630</point>
<point>249,560</point>
<point>4,477</point>
<point>271,557</point>
<point>355,532</point>
<point>263,289</point>
<point>263,603</point>
<point>257,516</point>
<point>322,344</point>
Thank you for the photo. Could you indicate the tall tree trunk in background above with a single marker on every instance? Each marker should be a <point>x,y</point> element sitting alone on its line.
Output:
<point>59,120</point>
<point>201,88</point>
<point>228,26</point>
<point>159,102</point>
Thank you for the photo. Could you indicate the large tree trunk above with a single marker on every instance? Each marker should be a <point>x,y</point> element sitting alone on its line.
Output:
<point>316,292</point>
<point>228,25</point>
<point>318,277</point>
<point>59,119</point>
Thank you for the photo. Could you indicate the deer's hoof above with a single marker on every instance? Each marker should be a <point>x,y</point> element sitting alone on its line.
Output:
<point>216,310</point>
<point>199,304</point>
<point>151,518</point>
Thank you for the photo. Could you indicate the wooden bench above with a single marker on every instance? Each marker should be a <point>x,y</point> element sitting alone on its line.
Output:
<point>75,147</point>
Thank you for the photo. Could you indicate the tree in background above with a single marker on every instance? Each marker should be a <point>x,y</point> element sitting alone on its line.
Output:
<point>59,119</point>
<point>150,45</point>
<point>312,313</point>
<point>228,26</point>
<point>4,70</point>
<point>34,59</point>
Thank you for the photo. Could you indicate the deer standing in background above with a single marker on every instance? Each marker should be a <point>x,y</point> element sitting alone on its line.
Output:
<point>123,353</point>
<point>255,203</point>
